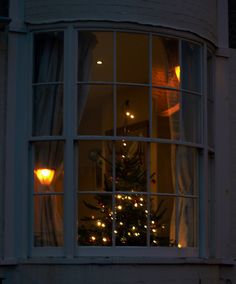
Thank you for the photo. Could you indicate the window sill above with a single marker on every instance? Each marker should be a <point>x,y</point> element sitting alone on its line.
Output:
<point>121,261</point>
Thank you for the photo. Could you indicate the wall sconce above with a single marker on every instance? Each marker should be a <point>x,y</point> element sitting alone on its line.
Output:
<point>45,176</point>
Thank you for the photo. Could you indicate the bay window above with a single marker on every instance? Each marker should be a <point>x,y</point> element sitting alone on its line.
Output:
<point>117,140</point>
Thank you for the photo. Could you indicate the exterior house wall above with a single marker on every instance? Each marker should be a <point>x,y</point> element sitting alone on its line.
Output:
<point>196,16</point>
<point>232,119</point>
<point>3,52</point>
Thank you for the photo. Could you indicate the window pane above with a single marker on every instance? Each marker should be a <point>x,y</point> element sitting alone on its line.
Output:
<point>95,56</point>
<point>165,110</point>
<point>209,76</point>
<point>48,110</point>
<point>187,222</point>
<point>95,110</point>
<point>131,220</point>
<point>48,220</point>
<point>162,221</point>
<point>132,111</point>
<point>132,58</point>
<point>165,62</point>
<point>48,57</point>
<point>95,166</point>
<point>94,220</point>
<point>163,168</point>
<point>187,173</point>
<point>48,167</point>
<point>131,166</point>
<point>191,64</point>
<point>192,118</point>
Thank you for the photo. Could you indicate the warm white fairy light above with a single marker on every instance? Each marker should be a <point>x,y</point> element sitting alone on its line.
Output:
<point>141,204</point>
<point>115,231</point>
<point>145,226</point>
<point>103,225</point>
<point>135,204</point>
<point>132,116</point>
<point>119,207</point>
<point>141,199</point>
<point>99,223</point>
<point>93,238</point>
<point>129,234</point>
<point>93,217</point>
<point>104,239</point>
<point>163,227</point>
<point>119,196</point>
<point>152,222</point>
<point>146,211</point>
<point>121,223</point>
<point>154,230</point>
<point>133,228</point>
<point>179,246</point>
<point>99,62</point>
<point>129,197</point>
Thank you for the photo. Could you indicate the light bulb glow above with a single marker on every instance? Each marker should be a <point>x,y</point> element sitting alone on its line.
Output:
<point>45,176</point>
<point>132,116</point>
<point>179,246</point>
<point>99,62</point>
<point>104,240</point>
<point>177,72</point>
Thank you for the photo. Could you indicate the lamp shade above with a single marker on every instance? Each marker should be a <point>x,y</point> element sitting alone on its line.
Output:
<point>45,176</point>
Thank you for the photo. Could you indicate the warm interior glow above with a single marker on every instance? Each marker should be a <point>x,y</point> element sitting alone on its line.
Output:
<point>168,112</point>
<point>99,62</point>
<point>45,176</point>
<point>177,72</point>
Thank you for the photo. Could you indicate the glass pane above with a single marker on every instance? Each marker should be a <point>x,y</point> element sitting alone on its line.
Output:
<point>187,170</point>
<point>95,220</point>
<point>210,120</point>
<point>132,111</point>
<point>165,62</point>
<point>95,166</point>
<point>162,221</point>
<point>191,64</point>
<point>48,57</point>
<point>187,222</point>
<point>48,110</point>
<point>192,118</point>
<point>131,166</point>
<point>48,220</point>
<point>131,220</point>
<point>48,167</point>
<point>95,56</point>
<point>132,58</point>
<point>165,111</point>
<point>163,168</point>
<point>95,110</point>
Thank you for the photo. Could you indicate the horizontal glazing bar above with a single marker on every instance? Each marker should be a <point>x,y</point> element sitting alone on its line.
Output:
<point>138,193</point>
<point>137,85</point>
<point>48,193</point>
<point>46,138</point>
<point>47,83</point>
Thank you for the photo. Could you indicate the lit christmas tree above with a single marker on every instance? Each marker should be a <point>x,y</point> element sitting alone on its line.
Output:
<point>128,219</point>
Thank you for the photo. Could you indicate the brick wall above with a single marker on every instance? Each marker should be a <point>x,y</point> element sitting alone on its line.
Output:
<point>191,15</point>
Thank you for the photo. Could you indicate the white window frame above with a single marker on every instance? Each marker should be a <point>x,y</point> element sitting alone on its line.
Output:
<point>70,248</point>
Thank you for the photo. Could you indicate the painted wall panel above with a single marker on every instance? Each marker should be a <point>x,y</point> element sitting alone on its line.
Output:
<point>196,16</point>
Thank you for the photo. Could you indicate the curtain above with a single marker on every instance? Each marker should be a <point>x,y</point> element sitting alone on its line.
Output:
<point>47,120</point>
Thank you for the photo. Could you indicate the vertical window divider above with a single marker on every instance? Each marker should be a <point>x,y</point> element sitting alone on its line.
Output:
<point>203,186</point>
<point>69,128</point>
<point>113,142</point>
<point>177,195</point>
<point>181,138</point>
<point>30,156</point>
<point>149,144</point>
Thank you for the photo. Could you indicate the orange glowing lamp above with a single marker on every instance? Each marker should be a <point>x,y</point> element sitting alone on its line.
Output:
<point>45,176</point>
<point>177,72</point>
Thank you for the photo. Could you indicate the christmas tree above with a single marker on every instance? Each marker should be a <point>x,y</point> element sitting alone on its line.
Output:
<point>128,217</point>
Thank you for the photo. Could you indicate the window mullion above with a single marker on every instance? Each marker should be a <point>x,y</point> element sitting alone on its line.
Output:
<point>69,128</point>
<point>203,193</point>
